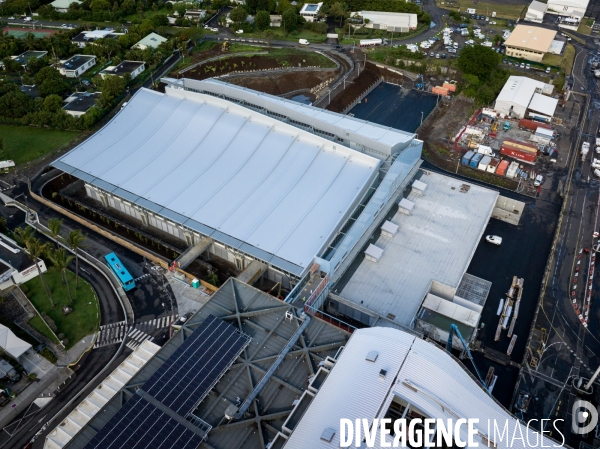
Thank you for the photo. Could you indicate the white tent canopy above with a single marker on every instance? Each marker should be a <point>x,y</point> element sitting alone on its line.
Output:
<point>11,343</point>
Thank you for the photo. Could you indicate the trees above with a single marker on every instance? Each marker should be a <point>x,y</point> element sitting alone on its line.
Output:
<point>61,260</point>
<point>53,103</point>
<point>75,241</point>
<point>268,35</point>
<point>112,87</point>
<point>12,66</point>
<point>50,81</point>
<point>15,104</point>
<point>262,20</point>
<point>479,61</point>
<point>338,10</point>
<point>289,19</point>
<point>238,15</point>
<point>54,225</point>
<point>35,250</point>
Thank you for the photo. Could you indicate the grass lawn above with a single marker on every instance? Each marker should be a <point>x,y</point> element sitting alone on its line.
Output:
<point>585,27</point>
<point>506,11</point>
<point>25,143</point>
<point>564,61</point>
<point>84,319</point>
<point>279,35</point>
<point>38,323</point>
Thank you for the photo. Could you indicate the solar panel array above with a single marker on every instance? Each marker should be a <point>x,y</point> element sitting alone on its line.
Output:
<point>193,369</point>
<point>138,424</point>
<point>182,381</point>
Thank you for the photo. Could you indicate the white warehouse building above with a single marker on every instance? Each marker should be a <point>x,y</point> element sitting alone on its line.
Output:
<point>568,7</point>
<point>523,97</point>
<point>389,21</point>
<point>244,185</point>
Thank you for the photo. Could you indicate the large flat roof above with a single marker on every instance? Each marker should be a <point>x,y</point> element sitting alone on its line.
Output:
<point>372,135</point>
<point>543,104</point>
<point>398,19</point>
<point>519,90</point>
<point>436,242</point>
<point>228,172</point>
<point>419,374</point>
<point>531,38</point>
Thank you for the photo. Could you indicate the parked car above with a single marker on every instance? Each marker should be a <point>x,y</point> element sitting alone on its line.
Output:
<point>493,22</point>
<point>337,47</point>
<point>86,83</point>
<point>528,66</point>
<point>214,30</point>
<point>494,239</point>
<point>553,155</point>
<point>437,56</point>
<point>522,65</point>
<point>504,61</point>
<point>64,25</point>
<point>27,19</point>
<point>432,54</point>
<point>11,18</point>
<point>443,55</point>
<point>239,32</point>
<point>539,180</point>
<point>547,69</point>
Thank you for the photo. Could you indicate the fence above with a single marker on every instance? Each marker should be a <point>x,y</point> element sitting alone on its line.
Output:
<point>363,95</point>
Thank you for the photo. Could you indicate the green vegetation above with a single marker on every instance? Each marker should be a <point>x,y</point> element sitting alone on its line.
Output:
<point>40,325</point>
<point>585,27</point>
<point>507,11</point>
<point>311,58</point>
<point>564,61</point>
<point>481,74</point>
<point>82,321</point>
<point>23,143</point>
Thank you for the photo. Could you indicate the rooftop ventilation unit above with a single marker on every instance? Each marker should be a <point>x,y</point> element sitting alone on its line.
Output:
<point>372,356</point>
<point>373,253</point>
<point>230,411</point>
<point>328,434</point>
<point>419,187</point>
<point>389,229</point>
<point>382,374</point>
<point>405,206</point>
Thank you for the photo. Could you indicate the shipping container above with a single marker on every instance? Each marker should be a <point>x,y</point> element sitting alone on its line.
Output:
<point>493,165</point>
<point>520,146</point>
<point>449,86</point>
<point>483,164</point>
<point>439,90</point>
<point>467,157</point>
<point>475,160</point>
<point>502,166</point>
<point>512,170</point>
<point>532,125</point>
<point>515,153</point>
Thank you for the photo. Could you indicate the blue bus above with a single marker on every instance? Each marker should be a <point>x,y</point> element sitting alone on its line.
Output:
<point>125,279</point>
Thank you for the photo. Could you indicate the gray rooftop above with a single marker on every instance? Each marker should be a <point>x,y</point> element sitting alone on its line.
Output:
<point>76,61</point>
<point>263,318</point>
<point>81,101</point>
<point>24,58</point>
<point>436,242</point>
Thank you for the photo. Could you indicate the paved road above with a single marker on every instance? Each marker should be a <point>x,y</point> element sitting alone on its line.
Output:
<point>562,349</point>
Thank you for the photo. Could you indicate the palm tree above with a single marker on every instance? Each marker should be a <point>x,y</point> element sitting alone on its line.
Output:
<point>35,249</point>
<point>54,225</point>
<point>75,240</point>
<point>23,235</point>
<point>61,260</point>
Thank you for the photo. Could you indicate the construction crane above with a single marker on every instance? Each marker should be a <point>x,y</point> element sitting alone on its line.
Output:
<point>454,330</point>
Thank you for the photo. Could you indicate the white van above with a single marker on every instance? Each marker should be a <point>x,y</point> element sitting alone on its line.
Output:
<point>303,42</point>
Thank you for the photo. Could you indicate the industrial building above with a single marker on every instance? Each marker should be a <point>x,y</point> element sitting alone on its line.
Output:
<point>529,42</point>
<point>568,7</point>
<point>242,403</point>
<point>257,184</point>
<point>536,12</point>
<point>388,21</point>
<point>389,373</point>
<point>293,379</point>
<point>16,267</point>
<point>429,236</point>
<point>523,97</point>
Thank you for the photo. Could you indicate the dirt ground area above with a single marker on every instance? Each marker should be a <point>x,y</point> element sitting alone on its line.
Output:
<point>367,78</point>
<point>275,60</point>
<point>282,83</point>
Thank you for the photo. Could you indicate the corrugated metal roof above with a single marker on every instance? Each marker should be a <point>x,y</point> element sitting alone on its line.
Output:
<point>519,90</point>
<point>418,372</point>
<point>251,178</point>
<point>543,104</point>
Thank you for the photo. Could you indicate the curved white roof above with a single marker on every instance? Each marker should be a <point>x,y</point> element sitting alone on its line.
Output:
<point>418,372</point>
<point>231,173</point>
<point>11,343</point>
